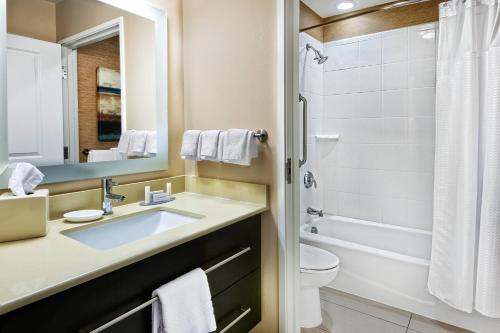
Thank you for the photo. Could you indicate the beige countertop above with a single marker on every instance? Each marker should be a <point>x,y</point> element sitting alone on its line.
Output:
<point>36,268</point>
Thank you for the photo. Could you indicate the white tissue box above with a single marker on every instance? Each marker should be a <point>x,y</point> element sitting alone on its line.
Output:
<point>24,216</point>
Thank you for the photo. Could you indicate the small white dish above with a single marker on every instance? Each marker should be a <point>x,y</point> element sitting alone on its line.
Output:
<point>86,215</point>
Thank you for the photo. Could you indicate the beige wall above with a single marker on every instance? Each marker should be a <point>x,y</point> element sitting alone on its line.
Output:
<point>230,79</point>
<point>40,14</point>
<point>173,9</point>
<point>74,16</point>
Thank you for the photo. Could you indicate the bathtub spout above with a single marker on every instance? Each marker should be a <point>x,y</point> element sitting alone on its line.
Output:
<point>312,211</point>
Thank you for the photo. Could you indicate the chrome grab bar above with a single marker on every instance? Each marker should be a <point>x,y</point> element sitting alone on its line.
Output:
<point>304,130</point>
<point>236,320</point>
<point>154,299</point>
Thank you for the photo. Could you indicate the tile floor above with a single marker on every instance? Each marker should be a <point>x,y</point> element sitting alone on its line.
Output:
<point>343,313</point>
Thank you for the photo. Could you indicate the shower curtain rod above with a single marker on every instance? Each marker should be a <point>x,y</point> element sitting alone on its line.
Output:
<point>373,9</point>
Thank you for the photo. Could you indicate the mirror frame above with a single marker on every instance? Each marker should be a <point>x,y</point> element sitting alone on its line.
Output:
<point>73,172</point>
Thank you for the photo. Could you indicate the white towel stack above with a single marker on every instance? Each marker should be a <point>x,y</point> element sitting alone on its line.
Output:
<point>239,146</point>
<point>236,146</point>
<point>190,149</point>
<point>138,143</point>
<point>184,306</point>
<point>209,146</point>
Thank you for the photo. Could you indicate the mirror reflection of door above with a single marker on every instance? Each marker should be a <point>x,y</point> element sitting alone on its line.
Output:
<point>34,101</point>
<point>81,83</point>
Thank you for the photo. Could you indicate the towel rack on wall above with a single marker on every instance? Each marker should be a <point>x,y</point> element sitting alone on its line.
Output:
<point>261,135</point>
<point>155,299</point>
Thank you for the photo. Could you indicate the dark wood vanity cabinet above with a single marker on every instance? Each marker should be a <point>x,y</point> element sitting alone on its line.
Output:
<point>235,288</point>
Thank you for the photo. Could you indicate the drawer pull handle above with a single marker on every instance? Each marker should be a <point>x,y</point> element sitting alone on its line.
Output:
<point>236,320</point>
<point>154,299</point>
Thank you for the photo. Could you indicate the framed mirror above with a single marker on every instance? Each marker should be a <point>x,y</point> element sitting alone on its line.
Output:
<point>84,88</point>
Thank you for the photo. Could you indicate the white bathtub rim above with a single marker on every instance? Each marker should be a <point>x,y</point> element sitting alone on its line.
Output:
<point>369,223</point>
<point>318,238</point>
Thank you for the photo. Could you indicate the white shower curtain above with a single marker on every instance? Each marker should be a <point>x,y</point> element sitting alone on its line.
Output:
<point>465,261</point>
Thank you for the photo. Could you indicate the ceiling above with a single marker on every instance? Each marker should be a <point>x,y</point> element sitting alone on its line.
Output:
<point>326,8</point>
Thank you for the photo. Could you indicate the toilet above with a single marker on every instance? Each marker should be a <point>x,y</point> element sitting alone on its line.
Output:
<point>318,268</point>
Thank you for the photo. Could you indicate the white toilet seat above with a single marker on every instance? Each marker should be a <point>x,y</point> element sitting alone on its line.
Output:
<point>314,260</point>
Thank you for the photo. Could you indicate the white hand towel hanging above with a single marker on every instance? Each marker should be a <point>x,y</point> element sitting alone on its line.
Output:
<point>138,144</point>
<point>124,143</point>
<point>184,305</point>
<point>190,145</point>
<point>151,144</point>
<point>239,147</point>
<point>24,179</point>
<point>209,141</point>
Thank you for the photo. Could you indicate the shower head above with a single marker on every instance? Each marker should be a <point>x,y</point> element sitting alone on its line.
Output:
<point>317,55</point>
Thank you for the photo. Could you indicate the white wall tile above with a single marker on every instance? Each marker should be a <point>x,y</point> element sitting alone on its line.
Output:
<point>395,211</point>
<point>420,185</point>
<point>421,130</point>
<point>341,82</point>
<point>348,204</point>
<point>369,104</point>
<point>342,56</point>
<point>395,46</point>
<point>315,105</point>
<point>420,157</point>
<point>331,202</point>
<point>395,103</point>
<point>396,183</point>
<point>370,78</point>
<point>422,73</point>
<point>341,106</point>
<point>422,102</point>
<point>371,182</point>
<point>348,155</point>
<point>422,41</point>
<point>370,208</point>
<point>395,76</point>
<point>419,214</point>
<point>393,130</point>
<point>344,180</point>
<point>378,94</point>
<point>370,52</point>
<point>314,81</point>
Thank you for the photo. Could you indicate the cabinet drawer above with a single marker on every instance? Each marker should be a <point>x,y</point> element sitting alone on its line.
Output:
<point>97,301</point>
<point>232,305</point>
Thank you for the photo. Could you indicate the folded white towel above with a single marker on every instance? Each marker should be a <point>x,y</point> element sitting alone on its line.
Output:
<point>24,179</point>
<point>184,305</point>
<point>138,144</point>
<point>209,141</point>
<point>239,147</point>
<point>103,155</point>
<point>190,145</point>
<point>124,143</point>
<point>151,144</point>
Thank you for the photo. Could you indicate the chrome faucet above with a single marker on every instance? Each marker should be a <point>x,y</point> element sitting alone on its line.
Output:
<point>108,196</point>
<point>312,211</point>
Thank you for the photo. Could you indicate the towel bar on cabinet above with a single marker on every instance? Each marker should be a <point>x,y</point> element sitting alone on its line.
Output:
<point>155,299</point>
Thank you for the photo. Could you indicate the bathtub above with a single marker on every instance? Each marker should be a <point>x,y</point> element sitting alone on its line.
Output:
<point>388,264</point>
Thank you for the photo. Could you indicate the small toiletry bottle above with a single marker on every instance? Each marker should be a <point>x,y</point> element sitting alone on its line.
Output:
<point>147,195</point>
<point>168,189</point>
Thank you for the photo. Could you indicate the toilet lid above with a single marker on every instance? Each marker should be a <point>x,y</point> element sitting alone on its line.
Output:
<point>316,259</point>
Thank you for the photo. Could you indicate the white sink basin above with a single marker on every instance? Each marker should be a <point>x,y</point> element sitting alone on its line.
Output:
<point>128,229</point>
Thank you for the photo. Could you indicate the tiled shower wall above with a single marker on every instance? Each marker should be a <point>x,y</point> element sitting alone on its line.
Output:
<point>378,93</point>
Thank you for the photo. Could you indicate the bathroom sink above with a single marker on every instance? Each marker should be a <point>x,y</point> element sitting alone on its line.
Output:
<point>112,234</point>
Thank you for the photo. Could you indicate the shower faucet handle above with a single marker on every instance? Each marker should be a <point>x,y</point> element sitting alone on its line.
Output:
<point>309,180</point>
